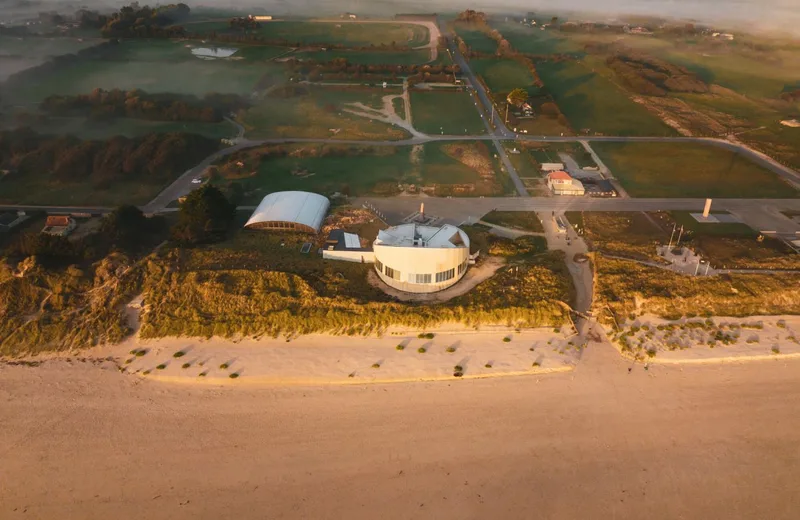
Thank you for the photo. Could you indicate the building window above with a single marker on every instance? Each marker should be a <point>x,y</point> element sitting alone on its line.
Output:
<point>462,267</point>
<point>445,275</point>
<point>378,266</point>
<point>419,278</point>
<point>394,274</point>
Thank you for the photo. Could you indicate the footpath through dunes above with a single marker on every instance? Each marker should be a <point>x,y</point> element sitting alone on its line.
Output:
<point>600,442</point>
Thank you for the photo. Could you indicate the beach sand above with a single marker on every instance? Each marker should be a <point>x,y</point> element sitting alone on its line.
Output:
<point>81,440</point>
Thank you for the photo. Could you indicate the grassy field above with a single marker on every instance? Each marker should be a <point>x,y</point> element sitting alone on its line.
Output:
<point>529,40</point>
<point>316,112</point>
<point>260,52</point>
<point>591,102</point>
<point>503,76</point>
<point>44,190</point>
<point>150,65</point>
<point>448,112</point>
<point>17,54</point>
<point>361,171</point>
<point>688,170</point>
<point>630,234</point>
<point>87,129</point>
<point>524,220</point>
<point>477,40</point>
<point>417,57</point>
<point>349,34</point>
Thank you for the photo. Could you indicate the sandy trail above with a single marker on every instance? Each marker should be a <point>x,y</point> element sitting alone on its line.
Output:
<point>433,31</point>
<point>707,441</point>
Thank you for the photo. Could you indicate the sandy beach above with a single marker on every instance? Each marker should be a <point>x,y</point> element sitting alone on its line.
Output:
<point>80,440</point>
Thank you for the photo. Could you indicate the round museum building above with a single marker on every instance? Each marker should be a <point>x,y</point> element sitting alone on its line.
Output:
<point>421,259</point>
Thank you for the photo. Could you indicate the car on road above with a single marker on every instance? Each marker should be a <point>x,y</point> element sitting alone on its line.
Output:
<point>197,181</point>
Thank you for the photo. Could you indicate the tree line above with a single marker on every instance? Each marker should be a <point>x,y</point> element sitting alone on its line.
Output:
<point>151,158</point>
<point>109,104</point>
<point>133,21</point>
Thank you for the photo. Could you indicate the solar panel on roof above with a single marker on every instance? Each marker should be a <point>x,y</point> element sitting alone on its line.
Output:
<point>351,241</point>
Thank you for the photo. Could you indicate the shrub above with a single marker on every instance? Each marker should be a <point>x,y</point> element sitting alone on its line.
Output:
<point>421,350</point>
<point>532,349</point>
<point>400,347</point>
<point>140,353</point>
<point>536,364</point>
<point>178,354</point>
<point>127,361</point>
<point>556,330</point>
<point>458,368</point>
<point>488,365</point>
<point>651,353</point>
<point>145,372</point>
<point>429,335</point>
<point>351,374</point>
<point>202,374</point>
<point>234,375</point>
<point>223,366</point>
<point>506,339</point>
<point>376,365</point>
<point>451,349</point>
<point>776,350</point>
<point>458,374</point>
<point>186,365</point>
<point>162,366</point>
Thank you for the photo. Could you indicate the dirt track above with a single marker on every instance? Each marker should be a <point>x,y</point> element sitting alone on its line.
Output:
<point>701,442</point>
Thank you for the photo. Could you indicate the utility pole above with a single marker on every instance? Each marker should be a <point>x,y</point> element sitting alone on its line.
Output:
<point>707,266</point>
<point>679,237</point>
<point>506,113</point>
<point>696,267</point>
<point>669,247</point>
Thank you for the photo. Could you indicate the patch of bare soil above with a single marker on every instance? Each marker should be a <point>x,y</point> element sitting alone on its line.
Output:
<point>473,155</point>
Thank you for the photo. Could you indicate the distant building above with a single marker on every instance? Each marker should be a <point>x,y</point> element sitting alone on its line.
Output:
<point>261,17</point>
<point>421,259</point>
<point>552,167</point>
<point>791,123</point>
<point>560,183</point>
<point>59,225</point>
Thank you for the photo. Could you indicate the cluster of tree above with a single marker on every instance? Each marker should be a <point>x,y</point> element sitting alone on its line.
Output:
<point>471,16</point>
<point>654,77</point>
<point>134,21</point>
<point>259,39</point>
<point>205,216</point>
<point>791,96</point>
<point>151,158</point>
<point>109,104</point>
<point>340,68</point>
<point>60,62</point>
<point>126,230</point>
<point>244,23</point>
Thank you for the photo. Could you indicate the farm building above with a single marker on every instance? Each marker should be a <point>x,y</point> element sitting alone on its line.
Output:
<point>552,166</point>
<point>261,17</point>
<point>421,259</point>
<point>341,245</point>
<point>290,211</point>
<point>560,183</point>
<point>59,225</point>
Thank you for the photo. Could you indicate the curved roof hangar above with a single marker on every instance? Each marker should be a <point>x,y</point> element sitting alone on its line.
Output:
<point>290,210</point>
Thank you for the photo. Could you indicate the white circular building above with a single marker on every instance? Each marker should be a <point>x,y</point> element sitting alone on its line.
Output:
<point>421,259</point>
<point>290,211</point>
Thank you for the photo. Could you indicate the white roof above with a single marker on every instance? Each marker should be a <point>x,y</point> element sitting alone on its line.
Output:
<point>351,241</point>
<point>411,235</point>
<point>300,207</point>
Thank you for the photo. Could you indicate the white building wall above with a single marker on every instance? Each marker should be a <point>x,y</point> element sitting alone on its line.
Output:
<point>350,256</point>
<point>420,260</point>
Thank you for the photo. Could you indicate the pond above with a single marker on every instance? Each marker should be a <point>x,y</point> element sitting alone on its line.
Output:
<point>212,53</point>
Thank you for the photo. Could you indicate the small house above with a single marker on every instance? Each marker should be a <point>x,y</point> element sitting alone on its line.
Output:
<point>561,183</point>
<point>59,225</point>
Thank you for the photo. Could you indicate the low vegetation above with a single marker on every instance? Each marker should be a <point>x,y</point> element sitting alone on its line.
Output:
<point>625,289</point>
<point>445,112</point>
<point>522,220</point>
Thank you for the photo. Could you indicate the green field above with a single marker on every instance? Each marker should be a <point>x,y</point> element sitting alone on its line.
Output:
<point>359,171</point>
<point>593,103</point>
<point>530,40</point>
<point>445,112</point>
<point>414,57</point>
<point>477,40</point>
<point>260,52</point>
<point>348,34</point>
<point>150,65</point>
<point>688,170</point>
<point>314,113</point>
<point>524,220</point>
<point>503,76</point>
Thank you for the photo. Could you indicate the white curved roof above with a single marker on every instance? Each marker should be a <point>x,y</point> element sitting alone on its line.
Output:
<point>300,207</point>
<point>413,235</point>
